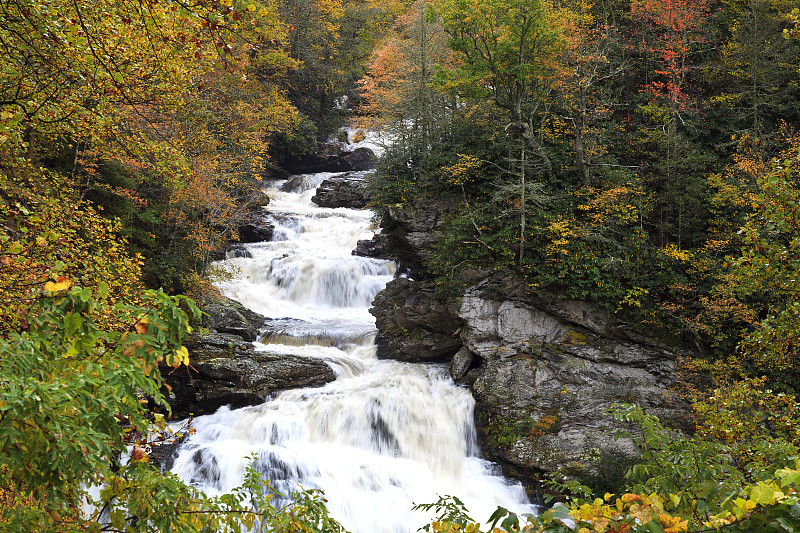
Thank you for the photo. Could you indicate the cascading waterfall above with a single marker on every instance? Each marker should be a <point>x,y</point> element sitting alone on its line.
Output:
<point>385,434</point>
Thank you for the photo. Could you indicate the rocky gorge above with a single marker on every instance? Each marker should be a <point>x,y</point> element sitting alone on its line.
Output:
<point>543,371</point>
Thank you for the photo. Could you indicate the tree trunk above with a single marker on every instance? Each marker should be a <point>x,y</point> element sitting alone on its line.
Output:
<point>522,206</point>
<point>524,130</point>
<point>580,151</point>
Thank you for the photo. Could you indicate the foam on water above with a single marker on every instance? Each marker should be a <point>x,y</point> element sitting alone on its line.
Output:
<point>384,434</point>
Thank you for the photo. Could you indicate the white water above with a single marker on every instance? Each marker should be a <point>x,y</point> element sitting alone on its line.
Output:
<point>385,434</point>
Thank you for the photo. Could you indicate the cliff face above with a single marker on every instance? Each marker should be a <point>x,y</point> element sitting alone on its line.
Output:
<point>409,234</point>
<point>550,369</point>
<point>543,370</point>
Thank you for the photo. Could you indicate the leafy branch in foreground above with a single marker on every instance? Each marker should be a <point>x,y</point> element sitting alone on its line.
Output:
<point>73,399</point>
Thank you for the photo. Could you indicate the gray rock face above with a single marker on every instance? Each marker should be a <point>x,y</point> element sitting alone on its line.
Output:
<point>227,370</point>
<point>550,370</point>
<point>543,371</point>
<point>412,232</point>
<point>377,247</point>
<point>413,325</point>
<point>342,191</point>
<point>463,361</point>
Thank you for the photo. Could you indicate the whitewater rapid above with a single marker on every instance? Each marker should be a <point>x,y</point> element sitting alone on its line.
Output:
<point>381,437</point>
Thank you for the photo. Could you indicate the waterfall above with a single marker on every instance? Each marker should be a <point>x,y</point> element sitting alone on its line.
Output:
<point>384,435</point>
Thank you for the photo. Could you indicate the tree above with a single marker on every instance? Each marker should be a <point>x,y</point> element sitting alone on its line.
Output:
<point>587,67</point>
<point>314,41</point>
<point>671,34</point>
<point>47,232</point>
<point>758,69</point>
<point>507,47</point>
<point>138,105</point>
<point>396,92</point>
<point>769,270</point>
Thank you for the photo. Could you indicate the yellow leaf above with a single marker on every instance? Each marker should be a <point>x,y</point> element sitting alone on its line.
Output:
<point>181,356</point>
<point>141,325</point>
<point>61,284</point>
<point>673,524</point>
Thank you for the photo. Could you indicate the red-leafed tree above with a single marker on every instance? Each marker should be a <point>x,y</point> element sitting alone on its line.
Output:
<point>671,33</point>
<point>670,39</point>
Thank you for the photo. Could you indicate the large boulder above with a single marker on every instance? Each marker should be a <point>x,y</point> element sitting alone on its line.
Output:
<point>224,315</point>
<point>347,190</point>
<point>334,160</point>
<point>413,324</point>
<point>377,247</point>
<point>257,229</point>
<point>226,368</point>
<point>361,159</point>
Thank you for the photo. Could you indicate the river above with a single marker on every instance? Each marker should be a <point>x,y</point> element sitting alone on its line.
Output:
<point>384,435</point>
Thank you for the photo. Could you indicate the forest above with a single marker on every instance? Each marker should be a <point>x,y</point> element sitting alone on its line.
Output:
<point>639,155</point>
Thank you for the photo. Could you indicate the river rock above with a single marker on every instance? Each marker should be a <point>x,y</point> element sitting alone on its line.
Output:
<point>237,250</point>
<point>413,324</point>
<point>258,229</point>
<point>463,361</point>
<point>377,247</point>
<point>338,161</point>
<point>361,159</point>
<point>226,369</point>
<point>543,371</point>
<point>342,191</point>
<point>224,315</point>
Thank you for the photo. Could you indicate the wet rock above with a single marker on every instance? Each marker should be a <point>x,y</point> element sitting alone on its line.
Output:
<point>226,369</point>
<point>413,324</point>
<point>338,161</point>
<point>377,247</point>
<point>224,315</point>
<point>550,369</point>
<point>258,229</point>
<point>543,371</point>
<point>162,455</point>
<point>463,361</point>
<point>237,250</point>
<point>342,191</point>
<point>361,159</point>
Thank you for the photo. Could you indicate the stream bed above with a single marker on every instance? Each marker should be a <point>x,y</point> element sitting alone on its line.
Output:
<point>381,437</point>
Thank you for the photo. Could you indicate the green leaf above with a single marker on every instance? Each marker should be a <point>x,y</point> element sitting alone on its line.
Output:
<point>102,289</point>
<point>653,527</point>
<point>763,494</point>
